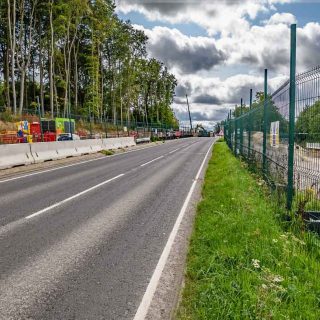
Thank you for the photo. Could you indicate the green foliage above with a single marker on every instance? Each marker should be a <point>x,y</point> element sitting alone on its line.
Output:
<point>253,119</point>
<point>7,115</point>
<point>107,152</point>
<point>238,110</point>
<point>99,62</point>
<point>242,264</point>
<point>307,125</point>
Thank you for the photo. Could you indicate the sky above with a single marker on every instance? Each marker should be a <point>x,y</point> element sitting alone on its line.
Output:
<point>218,49</point>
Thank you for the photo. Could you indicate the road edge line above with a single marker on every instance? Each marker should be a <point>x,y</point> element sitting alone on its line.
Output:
<point>153,283</point>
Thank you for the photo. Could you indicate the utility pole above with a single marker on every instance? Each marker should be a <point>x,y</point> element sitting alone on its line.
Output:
<point>189,112</point>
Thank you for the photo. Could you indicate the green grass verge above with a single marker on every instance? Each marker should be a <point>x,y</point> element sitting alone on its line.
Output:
<point>107,152</point>
<point>241,263</point>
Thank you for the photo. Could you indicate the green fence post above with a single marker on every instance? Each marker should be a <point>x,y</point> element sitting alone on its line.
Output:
<point>265,124</point>
<point>292,101</point>
<point>249,125</point>
<point>241,128</point>
<point>235,135</point>
<point>230,130</point>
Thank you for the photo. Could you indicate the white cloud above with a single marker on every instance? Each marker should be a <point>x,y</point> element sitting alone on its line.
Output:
<point>194,60</point>
<point>181,52</point>
<point>286,18</point>
<point>216,16</point>
<point>238,44</point>
<point>211,98</point>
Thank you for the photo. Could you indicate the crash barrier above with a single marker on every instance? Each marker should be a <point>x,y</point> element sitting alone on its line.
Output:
<point>24,154</point>
<point>12,155</point>
<point>87,146</point>
<point>118,143</point>
<point>143,140</point>
<point>45,151</point>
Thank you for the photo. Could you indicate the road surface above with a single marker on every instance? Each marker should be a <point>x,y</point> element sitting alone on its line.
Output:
<point>82,241</point>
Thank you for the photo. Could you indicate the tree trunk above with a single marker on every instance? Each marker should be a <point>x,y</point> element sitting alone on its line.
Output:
<point>51,53</point>
<point>102,85</point>
<point>7,81</point>
<point>12,40</point>
<point>22,83</point>
<point>75,78</point>
<point>41,69</point>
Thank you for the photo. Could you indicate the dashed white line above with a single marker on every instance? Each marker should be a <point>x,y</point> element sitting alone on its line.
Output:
<point>73,197</point>
<point>148,295</point>
<point>173,151</point>
<point>145,164</point>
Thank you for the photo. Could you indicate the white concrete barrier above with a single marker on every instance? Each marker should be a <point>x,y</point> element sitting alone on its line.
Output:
<point>66,149</point>
<point>46,151</point>
<point>25,153</point>
<point>12,155</point>
<point>127,142</point>
<point>116,143</point>
<point>143,140</point>
<point>88,146</point>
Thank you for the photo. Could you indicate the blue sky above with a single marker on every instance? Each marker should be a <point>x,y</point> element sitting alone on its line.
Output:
<point>219,49</point>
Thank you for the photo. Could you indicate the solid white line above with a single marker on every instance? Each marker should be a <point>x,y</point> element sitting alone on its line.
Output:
<point>145,164</point>
<point>148,295</point>
<point>73,197</point>
<point>74,164</point>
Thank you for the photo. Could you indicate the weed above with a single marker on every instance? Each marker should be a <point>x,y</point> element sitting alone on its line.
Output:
<point>107,152</point>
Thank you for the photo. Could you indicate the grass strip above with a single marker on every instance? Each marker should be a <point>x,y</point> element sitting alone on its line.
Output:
<point>241,263</point>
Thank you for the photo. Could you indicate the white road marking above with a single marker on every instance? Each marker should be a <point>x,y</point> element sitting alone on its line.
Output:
<point>173,151</point>
<point>72,197</point>
<point>148,295</point>
<point>83,192</point>
<point>145,164</point>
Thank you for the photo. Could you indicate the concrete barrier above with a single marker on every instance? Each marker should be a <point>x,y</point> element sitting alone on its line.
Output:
<point>46,151</point>
<point>143,140</point>
<point>88,146</point>
<point>12,155</point>
<point>116,143</point>
<point>66,149</point>
<point>127,142</point>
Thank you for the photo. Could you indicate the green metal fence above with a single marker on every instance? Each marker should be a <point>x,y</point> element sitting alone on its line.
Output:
<point>265,138</point>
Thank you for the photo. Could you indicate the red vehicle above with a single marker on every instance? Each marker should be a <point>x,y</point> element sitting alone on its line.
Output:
<point>177,134</point>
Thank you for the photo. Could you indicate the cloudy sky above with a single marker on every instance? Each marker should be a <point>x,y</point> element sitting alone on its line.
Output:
<point>218,49</point>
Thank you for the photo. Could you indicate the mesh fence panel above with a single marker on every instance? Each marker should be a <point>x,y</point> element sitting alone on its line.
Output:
<point>270,121</point>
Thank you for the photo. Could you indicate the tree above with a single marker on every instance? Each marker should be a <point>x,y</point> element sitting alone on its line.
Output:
<point>78,55</point>
<point>307,124</point>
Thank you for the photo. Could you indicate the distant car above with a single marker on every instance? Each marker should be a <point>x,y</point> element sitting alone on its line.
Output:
<point>67,137</point>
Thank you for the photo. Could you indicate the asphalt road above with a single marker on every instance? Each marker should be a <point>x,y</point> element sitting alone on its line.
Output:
<point>82,242</point>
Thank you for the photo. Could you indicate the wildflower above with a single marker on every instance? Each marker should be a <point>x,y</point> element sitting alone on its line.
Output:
<point>277,279</point>
<point>256,263</point>
<point>298,240</point>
